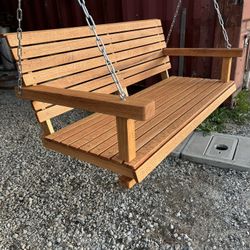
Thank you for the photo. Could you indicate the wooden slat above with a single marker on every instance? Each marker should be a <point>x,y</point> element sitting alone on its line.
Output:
<point>165,150</point>
<point>36,37</point>
<point>73,56</point>
<point>108,104</point>
<point>154,144</point>
<point>57,110</point>
<point>64,70</point>
<point>172,112</point>
<point>97,83</point>
<point>78,154</point>
<point>47,128</point>
<point>108,135</point>
<point>71,138</point>
<point>208,52</point>
<point>83,43</point>
<point>72,80</point>
<point>171,99</point>
<point>84,139</point>
<point>94,117</point>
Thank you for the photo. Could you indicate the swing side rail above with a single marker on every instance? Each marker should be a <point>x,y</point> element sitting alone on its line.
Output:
<point>227,56</point>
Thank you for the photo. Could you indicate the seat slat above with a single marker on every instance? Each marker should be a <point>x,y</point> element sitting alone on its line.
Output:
<point>83,139</point>
<point>94,117</point>
<point>171,96</point>
<point>141,127</point>
<point>38,37</point>
<point>89,131</point>
<point>153,127</point>
<point>152,145</point>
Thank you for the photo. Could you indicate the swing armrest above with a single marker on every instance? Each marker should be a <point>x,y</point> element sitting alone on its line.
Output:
<point>132,108</point>
<point>203,52</point>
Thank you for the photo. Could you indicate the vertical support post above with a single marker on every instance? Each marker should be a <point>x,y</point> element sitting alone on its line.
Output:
<point>226,69</point>
<point>47,128</point>
<point>126,138</point>
<point>164,75</point>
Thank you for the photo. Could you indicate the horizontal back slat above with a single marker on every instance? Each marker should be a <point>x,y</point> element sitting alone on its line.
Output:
<point>72,68</point>
<point>69,58</point>
<point>140,63</point>
<point>45,36</point>
<point>83,43</point>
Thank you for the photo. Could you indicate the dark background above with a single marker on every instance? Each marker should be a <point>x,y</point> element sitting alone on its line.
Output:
<point>202,23</point>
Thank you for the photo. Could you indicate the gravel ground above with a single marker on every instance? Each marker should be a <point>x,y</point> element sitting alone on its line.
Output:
<point>49,201</point>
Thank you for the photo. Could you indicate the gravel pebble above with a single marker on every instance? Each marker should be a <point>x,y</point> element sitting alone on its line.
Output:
<point>50,201</point>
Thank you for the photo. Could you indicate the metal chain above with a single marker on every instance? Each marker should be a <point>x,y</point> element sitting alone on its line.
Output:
<point>174,21</point>
<point>19,49</point>
<point>102,49</point>
<point>222,24</point>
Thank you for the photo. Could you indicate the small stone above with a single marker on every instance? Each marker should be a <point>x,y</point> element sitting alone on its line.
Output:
<point>178,214</point>
<point>49,244</point>
<point>176,235</point>
<point>177,247</point>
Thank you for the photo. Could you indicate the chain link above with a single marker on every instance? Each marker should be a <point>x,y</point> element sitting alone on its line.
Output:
<point>19,49</point>
<point>222,24</point>
<point>174,21</point>
<point>100,44</point>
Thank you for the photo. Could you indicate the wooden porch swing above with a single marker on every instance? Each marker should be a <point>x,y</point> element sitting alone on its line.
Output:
<point>63,69</point>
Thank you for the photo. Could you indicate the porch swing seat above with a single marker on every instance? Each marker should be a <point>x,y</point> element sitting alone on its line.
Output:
<point>63,70</point>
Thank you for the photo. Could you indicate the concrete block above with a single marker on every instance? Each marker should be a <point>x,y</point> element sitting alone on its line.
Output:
<point>202,149</point>
<point>178,151</point>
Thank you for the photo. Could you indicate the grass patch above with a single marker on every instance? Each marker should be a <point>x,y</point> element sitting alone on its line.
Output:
<point>240,115</point>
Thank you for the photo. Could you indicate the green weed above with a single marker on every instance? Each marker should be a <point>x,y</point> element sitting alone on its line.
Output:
<point>240,114</point>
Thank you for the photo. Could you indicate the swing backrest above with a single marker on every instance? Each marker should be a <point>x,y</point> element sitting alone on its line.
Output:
<point>69,58</point>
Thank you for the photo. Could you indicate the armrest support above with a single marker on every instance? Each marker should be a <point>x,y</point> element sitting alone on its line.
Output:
<point>133,108</point>
<point>216,52</point>
<point>226,54</point>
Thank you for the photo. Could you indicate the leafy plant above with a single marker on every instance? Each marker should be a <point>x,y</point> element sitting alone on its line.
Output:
<point>240,114</point>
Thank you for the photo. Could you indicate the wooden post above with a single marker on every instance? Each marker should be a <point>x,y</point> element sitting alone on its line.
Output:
<point>127,182</point>
<point>47,128</point>
<point>126,138</point>
<point>164,75</point>
<point>226,69</point>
